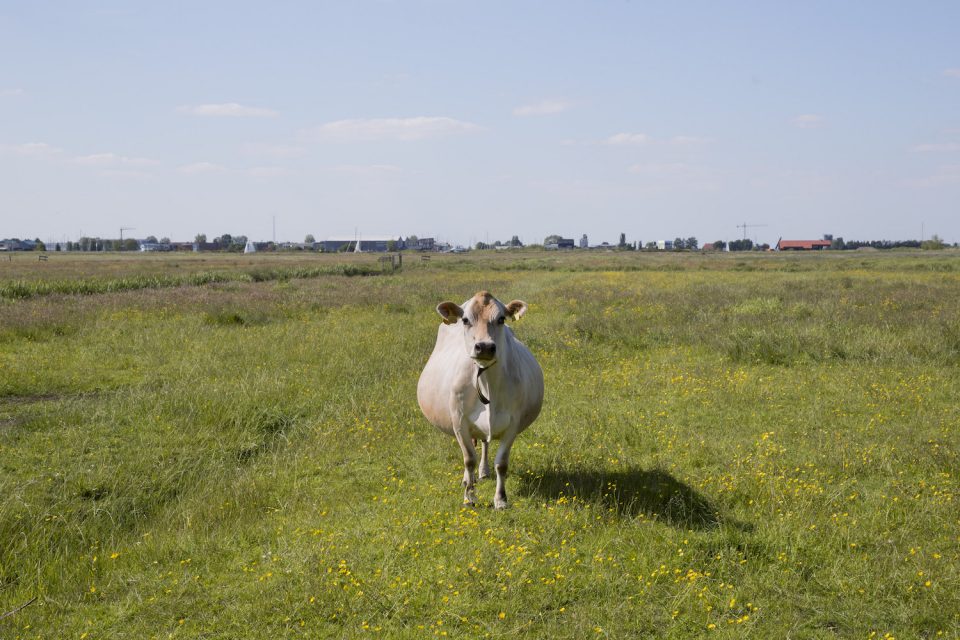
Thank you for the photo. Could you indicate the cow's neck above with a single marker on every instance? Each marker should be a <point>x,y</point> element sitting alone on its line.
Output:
<point>480,371</point>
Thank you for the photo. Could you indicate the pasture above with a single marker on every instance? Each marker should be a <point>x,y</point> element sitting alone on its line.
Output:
<point>730,446</point>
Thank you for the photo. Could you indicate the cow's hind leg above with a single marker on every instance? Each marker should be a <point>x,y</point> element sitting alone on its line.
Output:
<point>501,463</point>
<point>469,466</point>
<point>484,460</point>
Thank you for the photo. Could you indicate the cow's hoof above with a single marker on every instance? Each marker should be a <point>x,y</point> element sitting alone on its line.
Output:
<point>484,473</point>
<point>499,503</point>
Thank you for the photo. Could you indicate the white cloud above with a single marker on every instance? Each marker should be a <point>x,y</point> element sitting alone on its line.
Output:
<point>9,93</point>
<point>112,159</point>
<point>227,110</point>
<point>952,73</point>
<point>125,174</point>
<point>807,121</point>
<point>543,108</point>
<point>628,138</point>
<point>266,172</point>
<point>198,168</point>
<point>940,146</point>
<point>945,176</point>
<point>398,129</point>
<point>34,149</point>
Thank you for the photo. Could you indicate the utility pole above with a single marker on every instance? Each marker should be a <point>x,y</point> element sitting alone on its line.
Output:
<point>122,229</point>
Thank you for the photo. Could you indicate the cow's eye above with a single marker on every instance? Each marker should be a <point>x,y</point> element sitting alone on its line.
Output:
<point>500,320</point>
<point>465,321</point>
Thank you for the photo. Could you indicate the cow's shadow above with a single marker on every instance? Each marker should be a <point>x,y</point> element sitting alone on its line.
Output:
<point>630,492</point>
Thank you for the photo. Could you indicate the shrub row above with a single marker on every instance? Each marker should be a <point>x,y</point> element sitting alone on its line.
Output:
<point>20,289</point>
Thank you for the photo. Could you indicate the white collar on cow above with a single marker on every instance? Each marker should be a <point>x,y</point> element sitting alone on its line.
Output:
<point>483,399</point>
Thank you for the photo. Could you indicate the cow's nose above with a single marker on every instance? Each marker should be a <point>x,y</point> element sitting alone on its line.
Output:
<point>485,349</point>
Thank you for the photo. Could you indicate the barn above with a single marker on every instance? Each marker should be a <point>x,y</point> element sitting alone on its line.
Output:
<point>802,245</point>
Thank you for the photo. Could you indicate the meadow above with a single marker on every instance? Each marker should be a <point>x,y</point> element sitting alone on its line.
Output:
<point>204,446</point>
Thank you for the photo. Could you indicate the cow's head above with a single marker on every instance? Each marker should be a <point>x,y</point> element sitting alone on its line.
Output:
<point>481,319</point>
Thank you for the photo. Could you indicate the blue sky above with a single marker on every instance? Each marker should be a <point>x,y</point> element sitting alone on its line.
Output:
<point>479,121</point>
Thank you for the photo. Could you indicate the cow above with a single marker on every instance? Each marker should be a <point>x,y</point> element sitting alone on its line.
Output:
<point>481,383</point>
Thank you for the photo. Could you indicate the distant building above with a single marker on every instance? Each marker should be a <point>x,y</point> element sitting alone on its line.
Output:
<point>584,243</point>
<point>373,244</point>
<point>802,245</point>
<point>422,244</point>
<point>562,243</point>
<point>665,245</point>
<point>155,246</point>
<point>17,245</point>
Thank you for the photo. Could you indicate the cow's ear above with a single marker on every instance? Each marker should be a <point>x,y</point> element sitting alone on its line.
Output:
<point>450,312</point>
<point>516,309</point>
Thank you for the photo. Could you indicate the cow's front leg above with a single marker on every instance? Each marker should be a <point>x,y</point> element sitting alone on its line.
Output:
<point>501,463</point>
<point>469,464</point>
<point>484,461</point>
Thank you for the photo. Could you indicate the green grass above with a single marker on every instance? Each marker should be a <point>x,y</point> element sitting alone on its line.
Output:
<point>766,449</point>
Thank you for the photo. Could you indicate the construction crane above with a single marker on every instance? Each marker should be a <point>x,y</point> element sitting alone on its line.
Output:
<point>745,225</point>
<point>122,229</point>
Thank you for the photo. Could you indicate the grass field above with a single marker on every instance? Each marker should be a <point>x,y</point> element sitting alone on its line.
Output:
<point>731,446</point>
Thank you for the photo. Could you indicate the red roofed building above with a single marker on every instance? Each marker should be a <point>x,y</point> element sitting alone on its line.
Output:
<point>802,245</point>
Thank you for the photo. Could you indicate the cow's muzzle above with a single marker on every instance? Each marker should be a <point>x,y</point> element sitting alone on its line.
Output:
<point>484,351</point>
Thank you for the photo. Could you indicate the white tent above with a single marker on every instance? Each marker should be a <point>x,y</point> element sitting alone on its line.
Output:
<point>250,248</point>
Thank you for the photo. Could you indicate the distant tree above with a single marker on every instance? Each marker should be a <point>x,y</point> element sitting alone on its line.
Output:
<point>651,245</point>
<point>692,243</point>
<point>552,239</point>
<point>200,238</point>
<point>741,245</point>
<point>130,245</point>
<point>719,245</point>
<point>391,244</point>
<point>836,243</point>
<point>164,240</point>
<point>481,246</point>
<point>224,241</point>
<point>413,242</point>
<point>152,239</point>
<point>309,239</point>
<point>344,248</point>
<point>679,243</point>
<point>515,242</point>
<point>623,241</point>
<point>236,244</point>
<point>828,236</point>
<point>935,243</point>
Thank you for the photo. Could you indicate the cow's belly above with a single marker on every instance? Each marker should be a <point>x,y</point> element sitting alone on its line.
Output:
<point>487,424</point>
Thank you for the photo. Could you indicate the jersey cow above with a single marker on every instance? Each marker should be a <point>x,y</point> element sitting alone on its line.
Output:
<point>481,383</point>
